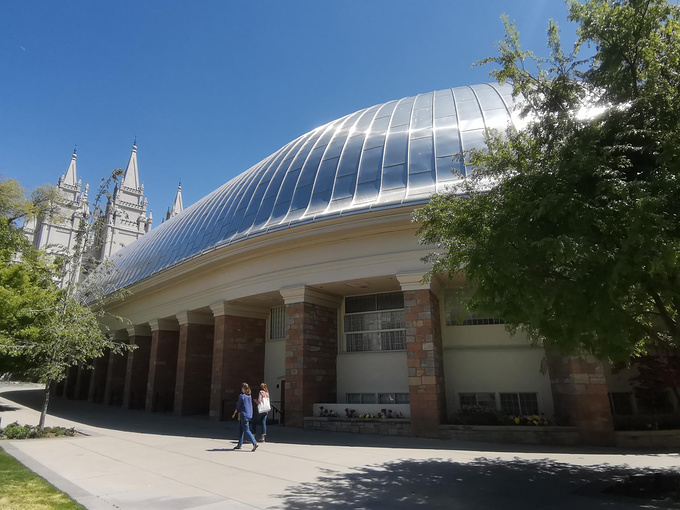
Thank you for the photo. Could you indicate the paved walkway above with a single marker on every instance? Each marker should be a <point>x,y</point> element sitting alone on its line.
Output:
<point>131,459</point>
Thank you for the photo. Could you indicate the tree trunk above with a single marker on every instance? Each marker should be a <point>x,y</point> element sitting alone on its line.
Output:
<point>46,402</point>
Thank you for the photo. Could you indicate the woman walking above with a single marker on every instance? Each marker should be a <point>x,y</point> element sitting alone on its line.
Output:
<point>244,407</point>
<point>263,407</point>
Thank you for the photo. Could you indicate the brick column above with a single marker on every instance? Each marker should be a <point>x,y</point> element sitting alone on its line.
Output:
<point>425,356</point>
<point>82,383</point>
<point>115,376</point>
<point>580,396</point>
<point>238,355</point>
<point>137,371</point>
<point>70,385</point>
<point>98,379</point>
<point>311,351</point>
<point>160,388</point>
<point>194,363</point>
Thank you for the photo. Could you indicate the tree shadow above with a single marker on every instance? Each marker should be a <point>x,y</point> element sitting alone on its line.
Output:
<point>487,483</point>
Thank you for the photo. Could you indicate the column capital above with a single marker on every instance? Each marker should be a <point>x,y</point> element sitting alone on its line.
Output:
<point>304,294</point>
<point>139,330</point>
<point>194,317</point>
<point>164,325</point>
<point>238,310</point>
<point>415,281</point>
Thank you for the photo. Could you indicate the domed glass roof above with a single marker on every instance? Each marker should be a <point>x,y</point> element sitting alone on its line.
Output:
<point>386,156</point>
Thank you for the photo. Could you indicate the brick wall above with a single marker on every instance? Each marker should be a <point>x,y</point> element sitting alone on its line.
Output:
<point>238,356</point>
<point>580,396</point>
<point>311,353</point>
<point>425,362</point>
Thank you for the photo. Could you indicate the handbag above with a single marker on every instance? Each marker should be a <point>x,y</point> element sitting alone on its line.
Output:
<point>264,406</point>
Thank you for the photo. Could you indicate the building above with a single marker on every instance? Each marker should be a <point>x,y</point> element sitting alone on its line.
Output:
<point>66,232</point>
<point>305,271</point>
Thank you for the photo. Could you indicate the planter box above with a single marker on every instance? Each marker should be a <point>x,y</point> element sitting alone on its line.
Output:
<point>378,426</point>
<point>519,434</point>
<point>660,439</point>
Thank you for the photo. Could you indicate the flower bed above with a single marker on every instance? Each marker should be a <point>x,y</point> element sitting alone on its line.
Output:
<point>363,411</point>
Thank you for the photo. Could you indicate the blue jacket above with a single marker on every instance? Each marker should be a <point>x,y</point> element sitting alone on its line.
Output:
<point>245,406</point>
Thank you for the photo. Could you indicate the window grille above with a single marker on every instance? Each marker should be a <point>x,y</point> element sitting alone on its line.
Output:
<point>519,404</point>
<point>375,322</point>
<point>277,323</point>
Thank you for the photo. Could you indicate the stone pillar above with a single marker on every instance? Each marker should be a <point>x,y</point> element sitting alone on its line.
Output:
<point>238,355</point>
<point>137,369</point>
<point>580,396</point>
<point>425,356</point>
<point>98,379</point>
<point>160,388</point>
<point>115,376</point>
<point>311,351</point>
<point>194,363</point>
<point>82,383</point>
<point>70,384</point>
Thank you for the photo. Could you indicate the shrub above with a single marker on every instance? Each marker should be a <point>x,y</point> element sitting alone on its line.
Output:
<point>16,431</point>
<point>477,415</point>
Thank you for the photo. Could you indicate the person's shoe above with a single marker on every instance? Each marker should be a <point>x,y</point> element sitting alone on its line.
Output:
<point>237,447</point>
<point>255,446</point>
<point>262,439</point>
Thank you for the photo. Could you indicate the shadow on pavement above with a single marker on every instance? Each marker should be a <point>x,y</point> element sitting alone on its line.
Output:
<point>116,418</point>
<point>487,483</point>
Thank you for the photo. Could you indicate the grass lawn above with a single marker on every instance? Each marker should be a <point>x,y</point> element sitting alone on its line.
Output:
<point>22,489</point>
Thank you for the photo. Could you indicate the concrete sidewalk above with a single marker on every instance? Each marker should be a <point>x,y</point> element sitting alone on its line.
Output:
<point>131,459</point>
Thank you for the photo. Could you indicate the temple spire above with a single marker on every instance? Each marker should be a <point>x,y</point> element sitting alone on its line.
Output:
<point>71,176</point>
<point>131,177</point>
<point>177,206</point>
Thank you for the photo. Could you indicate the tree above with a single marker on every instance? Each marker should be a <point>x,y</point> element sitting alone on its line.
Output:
<point>569,227</point>
<point>48,328</point>
<point>16,205</point>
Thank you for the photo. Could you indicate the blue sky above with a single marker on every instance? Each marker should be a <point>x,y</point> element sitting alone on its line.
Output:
<point>209,88</point>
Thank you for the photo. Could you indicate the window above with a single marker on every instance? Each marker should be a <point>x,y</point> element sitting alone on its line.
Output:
<point>360,398</point>
<point>277,323</point>
<point>458,315</point>
<point>478,399</point>
<point>393,398</point>
<point>653,401</point>
<point>519,404</point>
<point>621,403</point>
<point>375,322</point>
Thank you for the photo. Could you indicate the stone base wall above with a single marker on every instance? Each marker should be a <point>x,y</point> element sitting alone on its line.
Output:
<point>566,436</point>
<point>381,427</point>
<point>658,439</point>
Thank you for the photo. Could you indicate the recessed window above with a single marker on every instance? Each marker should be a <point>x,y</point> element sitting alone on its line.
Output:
<point>375,322</point>
<point>478,399</point>
<point>393,398</point>
<point>361,398</point>
<point>458,315</point>
<point>519,404</point>
<point>621,403</point>
<point>277,323</point>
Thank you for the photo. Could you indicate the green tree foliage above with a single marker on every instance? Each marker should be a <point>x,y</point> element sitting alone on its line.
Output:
<point>568,227</point>
<point>47,329</point>
<point>16,204</point>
